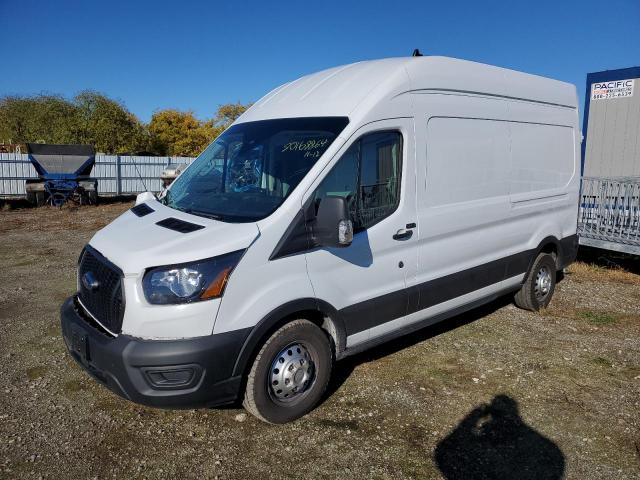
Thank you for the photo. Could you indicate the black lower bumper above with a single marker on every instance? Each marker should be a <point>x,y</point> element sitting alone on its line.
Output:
<point>160,373</point>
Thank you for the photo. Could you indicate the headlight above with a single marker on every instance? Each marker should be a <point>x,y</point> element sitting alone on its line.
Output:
<point>189,282</point>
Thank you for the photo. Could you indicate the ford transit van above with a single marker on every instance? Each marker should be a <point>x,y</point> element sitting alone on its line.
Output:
<point>343,209</point>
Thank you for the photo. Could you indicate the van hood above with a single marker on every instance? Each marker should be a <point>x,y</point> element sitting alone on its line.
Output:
<point>135,243</point>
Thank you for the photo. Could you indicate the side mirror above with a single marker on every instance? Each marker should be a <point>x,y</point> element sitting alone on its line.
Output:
<point>144,197</point>
<point>333,227</point>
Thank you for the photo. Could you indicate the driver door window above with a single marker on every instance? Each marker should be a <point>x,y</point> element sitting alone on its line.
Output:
<point>368,176</point>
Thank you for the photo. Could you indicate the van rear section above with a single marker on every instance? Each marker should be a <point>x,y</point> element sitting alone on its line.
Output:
<point>343,209</point>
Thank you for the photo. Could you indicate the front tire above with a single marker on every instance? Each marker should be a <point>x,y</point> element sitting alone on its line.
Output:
<point>290,373</point>
<point>539,285</point>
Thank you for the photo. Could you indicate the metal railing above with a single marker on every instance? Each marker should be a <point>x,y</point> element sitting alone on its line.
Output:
<point>116,174</point>
<point>609,213</point>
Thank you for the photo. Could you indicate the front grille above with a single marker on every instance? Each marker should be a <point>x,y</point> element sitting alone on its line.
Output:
<point>105,299</point>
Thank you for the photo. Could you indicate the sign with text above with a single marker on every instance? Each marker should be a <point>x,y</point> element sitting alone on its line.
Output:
<point>612,89</point>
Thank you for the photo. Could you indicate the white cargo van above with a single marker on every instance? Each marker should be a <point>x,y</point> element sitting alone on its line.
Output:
<point>343,209</point>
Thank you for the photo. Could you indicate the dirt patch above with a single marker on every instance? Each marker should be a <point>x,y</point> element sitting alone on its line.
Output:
<point>556,393</point>
<point>67,218</point>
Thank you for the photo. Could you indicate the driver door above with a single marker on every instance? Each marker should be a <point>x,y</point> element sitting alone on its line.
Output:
<point>367,281</point>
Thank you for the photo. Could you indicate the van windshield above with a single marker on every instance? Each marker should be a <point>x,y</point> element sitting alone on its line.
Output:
<point>252,167</point>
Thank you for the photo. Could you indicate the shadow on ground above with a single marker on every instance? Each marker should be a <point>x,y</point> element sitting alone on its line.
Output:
<point>609,259</point>
<point>493,442</point>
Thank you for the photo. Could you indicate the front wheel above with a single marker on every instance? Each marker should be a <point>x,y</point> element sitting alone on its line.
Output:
<point>290,373</point>
<point>538,287</point>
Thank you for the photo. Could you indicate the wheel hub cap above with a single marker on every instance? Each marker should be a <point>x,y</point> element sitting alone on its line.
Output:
<point>291,372</point>
<point>543,283</point>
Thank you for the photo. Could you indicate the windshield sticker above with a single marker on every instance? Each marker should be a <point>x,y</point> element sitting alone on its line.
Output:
<point>312,148</point>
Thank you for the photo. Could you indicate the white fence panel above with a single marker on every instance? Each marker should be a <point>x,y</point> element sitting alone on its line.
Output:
<point>15,168</point>
<point>106,171</point>
<point>117,175</point>
<point>141,173</point>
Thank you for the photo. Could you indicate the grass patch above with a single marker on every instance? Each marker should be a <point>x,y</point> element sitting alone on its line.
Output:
<point>53,330</point>
<point>446,373</point>
<point>598,318</point>
<point>598,273</point>
<point>17,260</point>
<point>602,362</point>
<point>339,424</point>
<point>72,386</point>
<point>109,402</point>
<point>36,372</point>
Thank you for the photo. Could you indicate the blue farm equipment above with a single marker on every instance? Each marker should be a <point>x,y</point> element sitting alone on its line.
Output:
<point>63,174</point>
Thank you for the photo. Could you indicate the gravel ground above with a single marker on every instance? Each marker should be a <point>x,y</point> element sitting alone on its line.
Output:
<point>500,390</point>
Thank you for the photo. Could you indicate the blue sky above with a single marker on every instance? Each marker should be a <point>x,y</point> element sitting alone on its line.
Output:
<point>196,55</point>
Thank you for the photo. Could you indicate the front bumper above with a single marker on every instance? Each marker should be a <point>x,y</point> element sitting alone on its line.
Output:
<point>160,373</point>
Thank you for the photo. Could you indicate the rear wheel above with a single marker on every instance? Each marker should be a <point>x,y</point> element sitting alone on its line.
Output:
<point>538,288</point>
<point>290,373</point>
<point>41,199</point>
<point>31,198</point>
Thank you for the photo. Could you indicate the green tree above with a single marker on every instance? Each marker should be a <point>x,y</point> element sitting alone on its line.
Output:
<point>90,117</point>
<point>93,118</point>
<point>180,133</point>
<point>173,132</point>
<point>44,118</point>
<point>108,125</point>
<point>228,113</point>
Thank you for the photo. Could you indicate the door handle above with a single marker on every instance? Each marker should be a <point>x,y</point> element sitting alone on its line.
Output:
<point>403,234</point>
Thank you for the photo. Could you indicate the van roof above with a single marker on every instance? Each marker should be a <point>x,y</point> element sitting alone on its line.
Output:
<point>341,91</point>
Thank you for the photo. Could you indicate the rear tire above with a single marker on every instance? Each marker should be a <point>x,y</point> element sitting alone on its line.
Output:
<point>40,199</point>
<point>539,285</point>
<point>290,373</point>
<point>31,198</point>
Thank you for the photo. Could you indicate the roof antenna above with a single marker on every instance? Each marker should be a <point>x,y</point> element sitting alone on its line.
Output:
<point>416,53</point>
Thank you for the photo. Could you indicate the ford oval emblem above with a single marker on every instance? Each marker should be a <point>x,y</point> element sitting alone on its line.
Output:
<point>90,282</point>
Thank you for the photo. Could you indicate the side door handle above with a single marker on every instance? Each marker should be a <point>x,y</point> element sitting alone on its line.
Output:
<point>403,234</point>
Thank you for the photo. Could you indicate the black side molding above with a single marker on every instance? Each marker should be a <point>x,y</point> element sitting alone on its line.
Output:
<point>179,225</point>
<point>377,311</point>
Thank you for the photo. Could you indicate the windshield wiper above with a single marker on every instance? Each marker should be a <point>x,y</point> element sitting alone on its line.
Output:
<point>200,213</point>
<point>165,201</point>
<point>213,216</point>
<point>222,217</point>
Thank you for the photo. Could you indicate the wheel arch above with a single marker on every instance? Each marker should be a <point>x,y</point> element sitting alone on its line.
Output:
<point>317,311</point>
<point>548,244</point>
